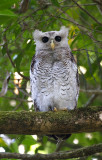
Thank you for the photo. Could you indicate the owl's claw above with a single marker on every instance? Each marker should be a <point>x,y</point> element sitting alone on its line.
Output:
<point>55,109</point>
<point>64,109</point>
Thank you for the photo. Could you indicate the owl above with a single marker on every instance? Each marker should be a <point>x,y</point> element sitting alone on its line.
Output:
<point>53,73</point>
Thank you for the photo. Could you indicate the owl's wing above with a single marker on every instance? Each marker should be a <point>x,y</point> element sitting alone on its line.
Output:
<point>77,75</point>
<point>72,57</point>
<point>31,72</point>
<point>32,77</point>
<point>32,64</point>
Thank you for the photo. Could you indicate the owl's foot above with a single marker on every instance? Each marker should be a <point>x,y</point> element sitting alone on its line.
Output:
<point>64,109</point>
<point>55,109</point>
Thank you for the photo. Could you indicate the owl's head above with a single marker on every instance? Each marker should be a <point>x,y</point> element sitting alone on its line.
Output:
<point>52,39</point>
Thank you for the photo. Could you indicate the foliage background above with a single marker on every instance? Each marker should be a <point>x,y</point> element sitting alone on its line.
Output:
<point>17,22</point>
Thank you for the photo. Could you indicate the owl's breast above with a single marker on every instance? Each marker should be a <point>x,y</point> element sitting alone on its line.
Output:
<point>57,72</point>
<point>55,83</point>
<point>64,74</point>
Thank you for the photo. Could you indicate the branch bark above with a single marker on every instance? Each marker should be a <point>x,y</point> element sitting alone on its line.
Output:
<point>24,6</point>
<point>82,152</point>
<point>97,91</point>
<point>79,120</point>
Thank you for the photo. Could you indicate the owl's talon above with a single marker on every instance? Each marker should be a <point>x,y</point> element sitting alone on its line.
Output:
<point>55,109</point>
<point>64,109</point>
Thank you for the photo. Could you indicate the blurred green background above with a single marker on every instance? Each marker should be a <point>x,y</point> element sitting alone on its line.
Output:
<point>18,20</point>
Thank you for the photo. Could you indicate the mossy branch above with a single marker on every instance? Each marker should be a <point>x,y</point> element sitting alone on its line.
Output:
<point>79,120</point>
<point>76,121</point>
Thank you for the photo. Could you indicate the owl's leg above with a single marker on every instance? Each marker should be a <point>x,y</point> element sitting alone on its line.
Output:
<point>55,109</point>
<point>51,108</point>
<point>64,109</point>
<point>36,109</point>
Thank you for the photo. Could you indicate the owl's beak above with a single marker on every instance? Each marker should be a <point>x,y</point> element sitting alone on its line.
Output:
<point>52,45</point>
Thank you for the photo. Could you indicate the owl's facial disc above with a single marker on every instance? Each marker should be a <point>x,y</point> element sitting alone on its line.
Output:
<point>52,40</point>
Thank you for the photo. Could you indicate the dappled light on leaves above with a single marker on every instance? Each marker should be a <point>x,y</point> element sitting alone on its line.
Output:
<point>75,141</point>
<point>21,149</point>
<point>17,81</point>
<point>82,70</point>
<point>18,20</point>
<point>2,149</point>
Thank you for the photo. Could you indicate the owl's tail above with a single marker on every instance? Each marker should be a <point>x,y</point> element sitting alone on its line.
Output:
<point>60,140</point>
<point>60,137</point>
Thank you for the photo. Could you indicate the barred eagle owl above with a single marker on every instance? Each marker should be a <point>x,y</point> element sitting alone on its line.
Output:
<point>53,72</point>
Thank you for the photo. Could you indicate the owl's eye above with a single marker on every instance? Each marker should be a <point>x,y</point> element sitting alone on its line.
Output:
<point>45,39</point>
<point>58,38</point>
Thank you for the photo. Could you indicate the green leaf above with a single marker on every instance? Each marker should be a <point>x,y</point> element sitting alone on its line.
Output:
<point>7,13</point>
<point>7,4</point>
<point>3,51</point>
<point>14,147</point>
<point>2,142</point>
<point>18,60</point>
<point>6,16</point>
<point>28,141</point>
<point>55,3</point>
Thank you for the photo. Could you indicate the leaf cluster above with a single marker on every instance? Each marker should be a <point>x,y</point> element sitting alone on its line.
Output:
<point>84,20</point>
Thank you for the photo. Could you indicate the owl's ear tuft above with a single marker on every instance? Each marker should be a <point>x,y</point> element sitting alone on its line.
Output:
<point>65,30</point>
<point>36,34</point>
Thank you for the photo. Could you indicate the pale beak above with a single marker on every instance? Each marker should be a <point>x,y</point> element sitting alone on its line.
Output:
<point>52,45</point>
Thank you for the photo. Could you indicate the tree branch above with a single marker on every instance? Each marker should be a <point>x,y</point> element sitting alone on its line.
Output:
<point>7,50</point>
<point>87,12</point>
<point>24,6</point>
<point>25,77</point>
<point>97,91</point>
<point>90,100</point>
<point>82,152</point>
<point>8,54</point>
<point>99,4</point>
<point>76,121</point>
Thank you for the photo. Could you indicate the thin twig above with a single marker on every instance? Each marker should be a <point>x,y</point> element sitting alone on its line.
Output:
<point>8,53</point>
<point>59,145</point>
<point>25,77</point>
<point>83,49</point>
<point>87,12</point>
<point>22,90</point>
<point>24,6</point>
<point>82,152</point>
<point>97,91</point>
<point>89,4</point>
<point>17,99</point>
<point>90,100</point>
<point>70,20</point>
<point>7,50</point>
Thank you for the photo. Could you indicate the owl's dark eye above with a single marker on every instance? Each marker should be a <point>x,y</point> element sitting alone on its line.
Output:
<point>58,38</point>
<point>45,39</point>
